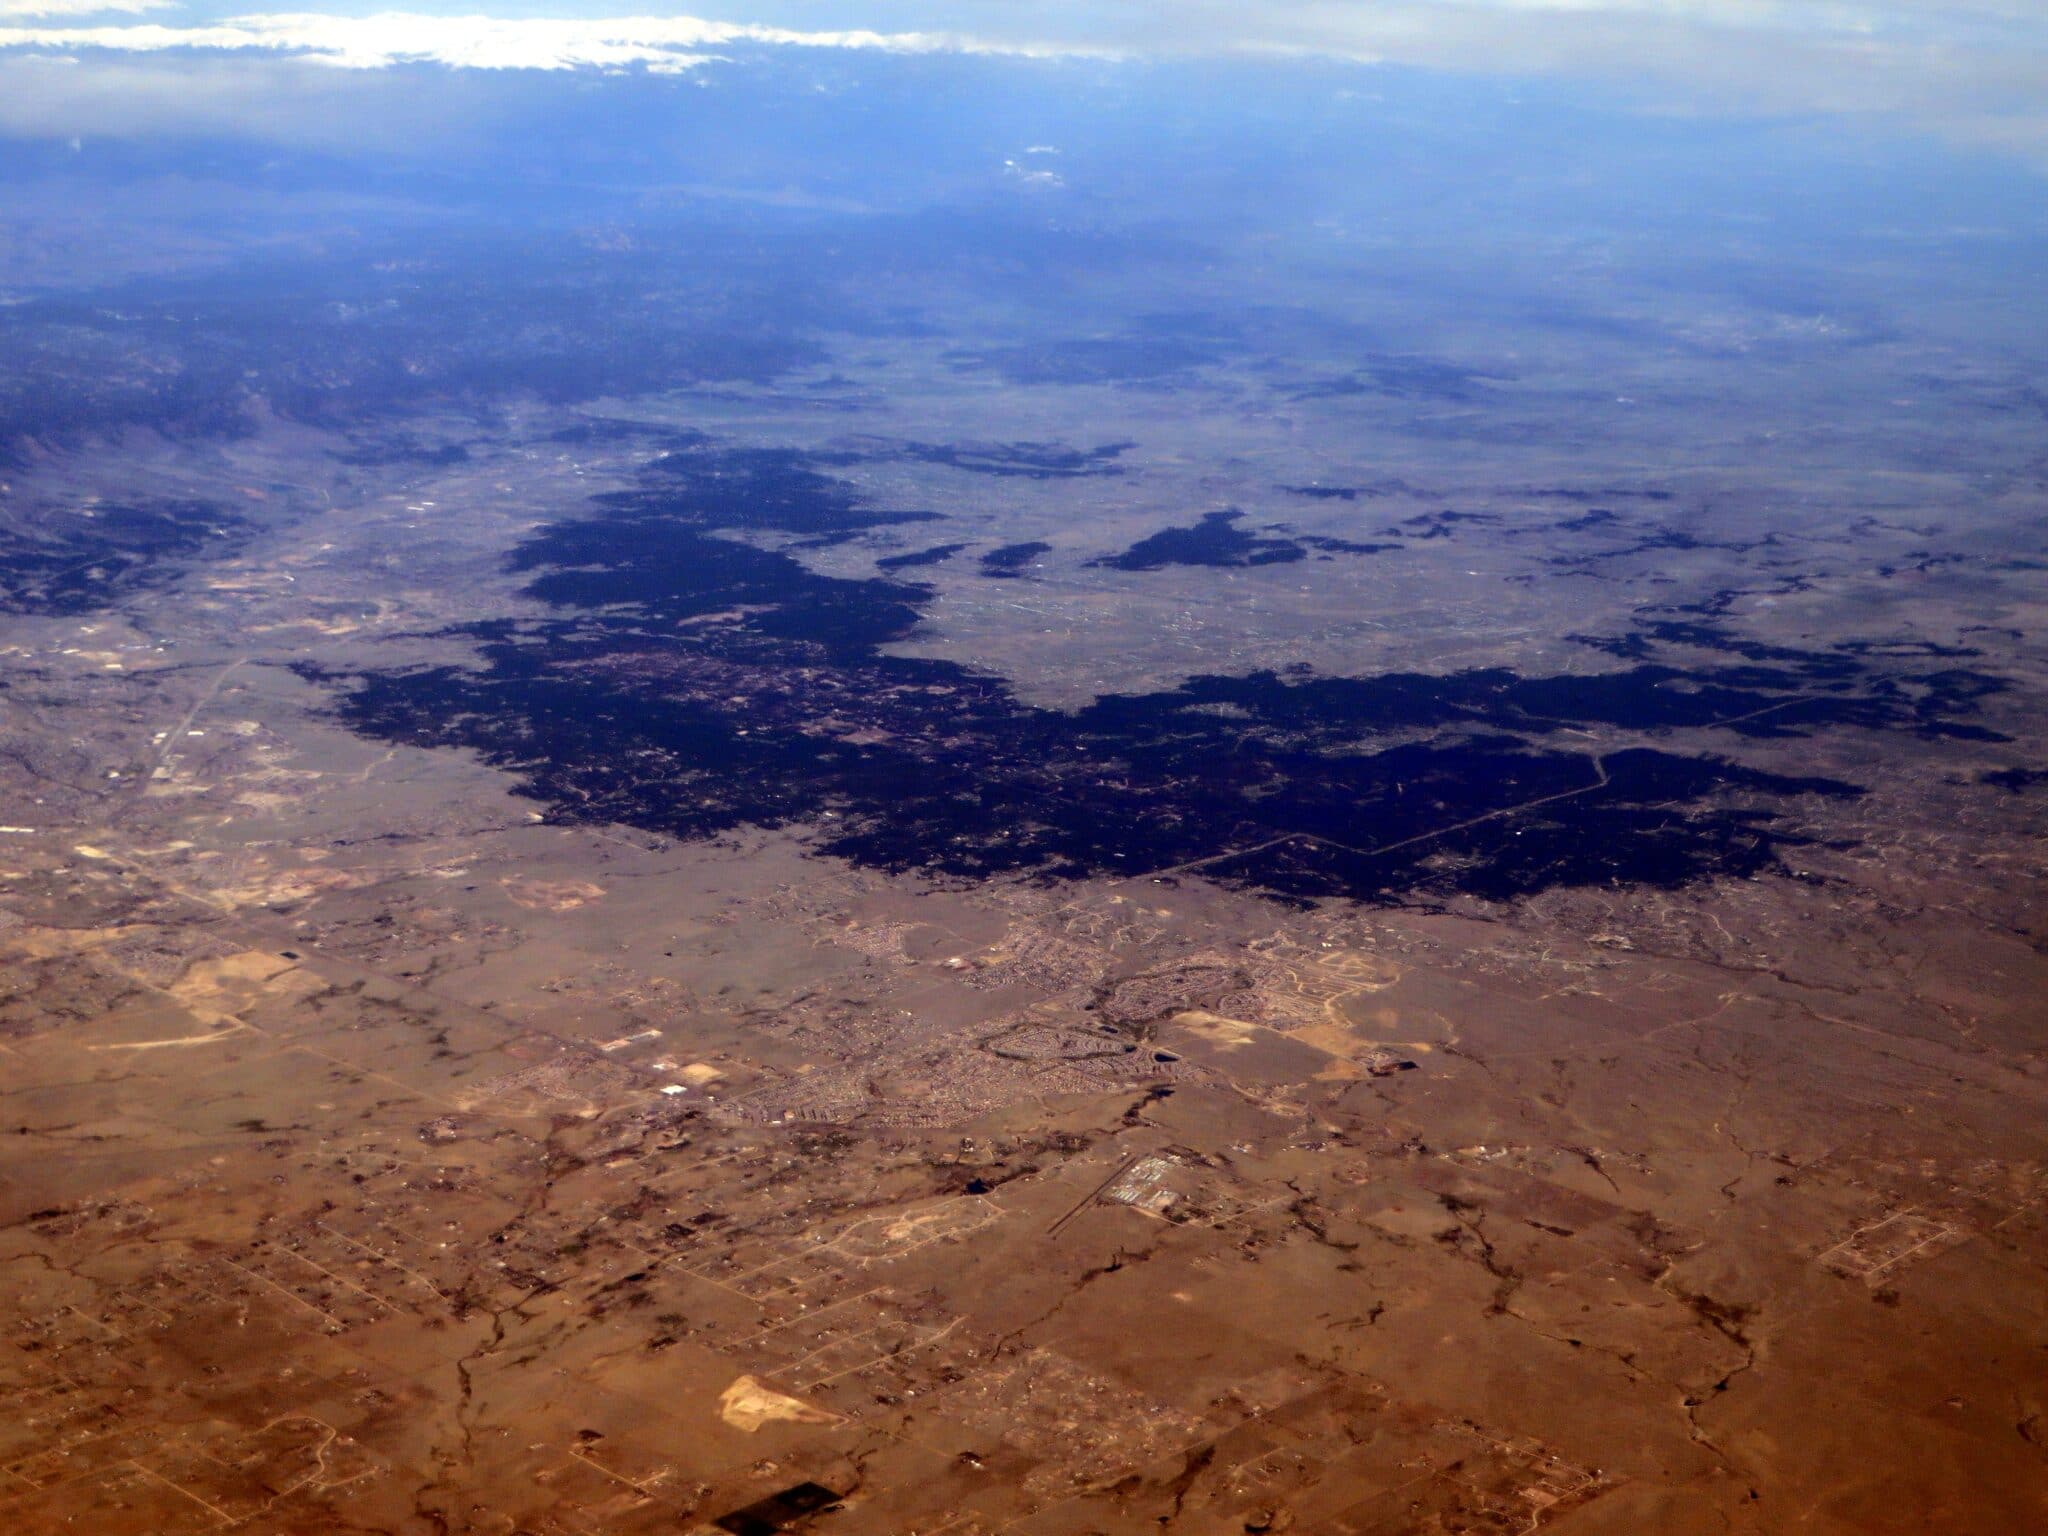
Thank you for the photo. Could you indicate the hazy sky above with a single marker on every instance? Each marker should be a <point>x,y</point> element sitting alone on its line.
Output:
<point>1971,70</point>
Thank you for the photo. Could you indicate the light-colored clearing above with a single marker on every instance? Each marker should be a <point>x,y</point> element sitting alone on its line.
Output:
<point>747,1405</point>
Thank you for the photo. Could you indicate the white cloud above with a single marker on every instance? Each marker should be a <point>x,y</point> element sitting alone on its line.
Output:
<point>43,8</point>
<point>1024,176</point>
<point>1974,69</point>
<point>482,42</point>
